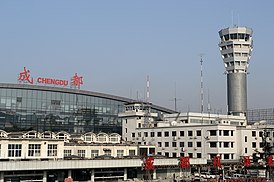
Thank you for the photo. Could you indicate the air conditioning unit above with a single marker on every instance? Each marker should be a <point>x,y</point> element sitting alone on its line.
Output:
<point>176,149</point>
<point>190,137</point>
<point>256,138</point>
<point>195,148</point>
<point>207,137</point>
<point>174,138</point>
<point>163,148</point>
<point>195,137</point>
<point>183,149</point>
<point>143,138</point>
<point>137,138</point>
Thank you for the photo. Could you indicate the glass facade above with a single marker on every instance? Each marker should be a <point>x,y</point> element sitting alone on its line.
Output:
<point>28,107</point>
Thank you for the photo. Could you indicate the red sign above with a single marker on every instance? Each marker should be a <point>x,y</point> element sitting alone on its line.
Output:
<point>148,165</point>
<point>76,81</point>
<point>25,77</point>
<point>184,162</point>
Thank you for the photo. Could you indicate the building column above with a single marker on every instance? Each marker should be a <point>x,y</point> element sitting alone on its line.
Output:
<point>154,174</point>
<point>1,176</point>
<point>69,173</point>
<point>92,175</point>
<point>44,176</point>
<point>125,174</point>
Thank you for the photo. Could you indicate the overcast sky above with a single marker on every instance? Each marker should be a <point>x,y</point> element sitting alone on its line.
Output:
<point>114,45</point>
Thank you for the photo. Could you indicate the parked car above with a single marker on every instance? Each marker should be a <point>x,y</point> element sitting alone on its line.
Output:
<point>207,175</point>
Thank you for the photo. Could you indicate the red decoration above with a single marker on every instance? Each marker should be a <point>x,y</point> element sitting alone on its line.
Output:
<point>270,160</point>
<point>246,161</point>
<point>184,162</point>
<point>148,165</point>
<point>217,161</point>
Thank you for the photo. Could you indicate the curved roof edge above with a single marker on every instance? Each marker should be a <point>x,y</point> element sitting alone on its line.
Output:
<point>75,91</point>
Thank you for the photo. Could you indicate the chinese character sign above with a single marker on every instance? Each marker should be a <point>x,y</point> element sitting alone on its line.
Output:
<point>184,162</point>
<point>217,161</point>
<point>246,161</point>
<point>270,160</point>
<point>76,81</point>
<point>24,76</point>
<point>148,164</point>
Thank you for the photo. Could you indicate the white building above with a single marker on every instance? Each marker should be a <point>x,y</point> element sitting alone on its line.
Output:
<point>194,134</point>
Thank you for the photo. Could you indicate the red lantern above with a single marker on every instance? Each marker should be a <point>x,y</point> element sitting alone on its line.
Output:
<point>270,160</point>
<point>246,161</point>
<point>149,164</point>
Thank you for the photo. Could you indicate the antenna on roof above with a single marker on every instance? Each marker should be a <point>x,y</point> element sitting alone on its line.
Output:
<point>202,89</point>
<point>147,95</point>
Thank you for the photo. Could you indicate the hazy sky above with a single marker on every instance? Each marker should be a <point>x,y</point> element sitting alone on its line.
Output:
<point>115,44</point>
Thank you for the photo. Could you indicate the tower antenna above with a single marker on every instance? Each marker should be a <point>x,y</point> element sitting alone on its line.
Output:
<point>202,89</point>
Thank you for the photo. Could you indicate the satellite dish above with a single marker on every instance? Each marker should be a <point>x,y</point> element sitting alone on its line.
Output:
<point>263,122</point>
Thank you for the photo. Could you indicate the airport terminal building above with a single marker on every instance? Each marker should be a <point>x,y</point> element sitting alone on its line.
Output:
<point>25,107</point>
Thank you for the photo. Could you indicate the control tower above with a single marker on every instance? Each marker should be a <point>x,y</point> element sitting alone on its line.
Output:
<point>236,46</point>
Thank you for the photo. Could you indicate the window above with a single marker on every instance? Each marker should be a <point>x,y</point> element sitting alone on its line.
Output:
<point>190,133</point>
<point>231,144</point>
<point>231,132</point>
<point>94,153</point>
<point>14,150</point>
<point>226,156</point>
<point>226,132</point>
<point>226,144</point>
<point>166,154</point>
<point>189,144</point>
<point>245,150</point>
<point>190,155</point>
<point>52,150</point>
<point>145,134</point>
<point>120,153</point>
<point>166,144</point>
<point>182,133</point>
<point>213,144</point>
<point>198,133</point>
<point>182,154</point>
<point>81,153</point>
<point>152,134</point>
<point>159,134</point>
<point>131,152</point>
<point>212,132</point>
<point>174,155</point>
<point>182,144</point>
<point>166,133</point>
<point>253,144</point>
<point>34,150</point>
<point>173,133</point>
<point>245,138</point>
<point>174,144</point>
<point>220,132</point>
<point>133,135</point>
<point>159,144</point>
<point>67,153</point>
<point>107,152</point>
<point>199,155</point>
<point>199,144</point>
<point>260,134</point>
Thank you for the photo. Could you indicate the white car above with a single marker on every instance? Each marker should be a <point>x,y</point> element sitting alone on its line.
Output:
<point>208,175</point>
